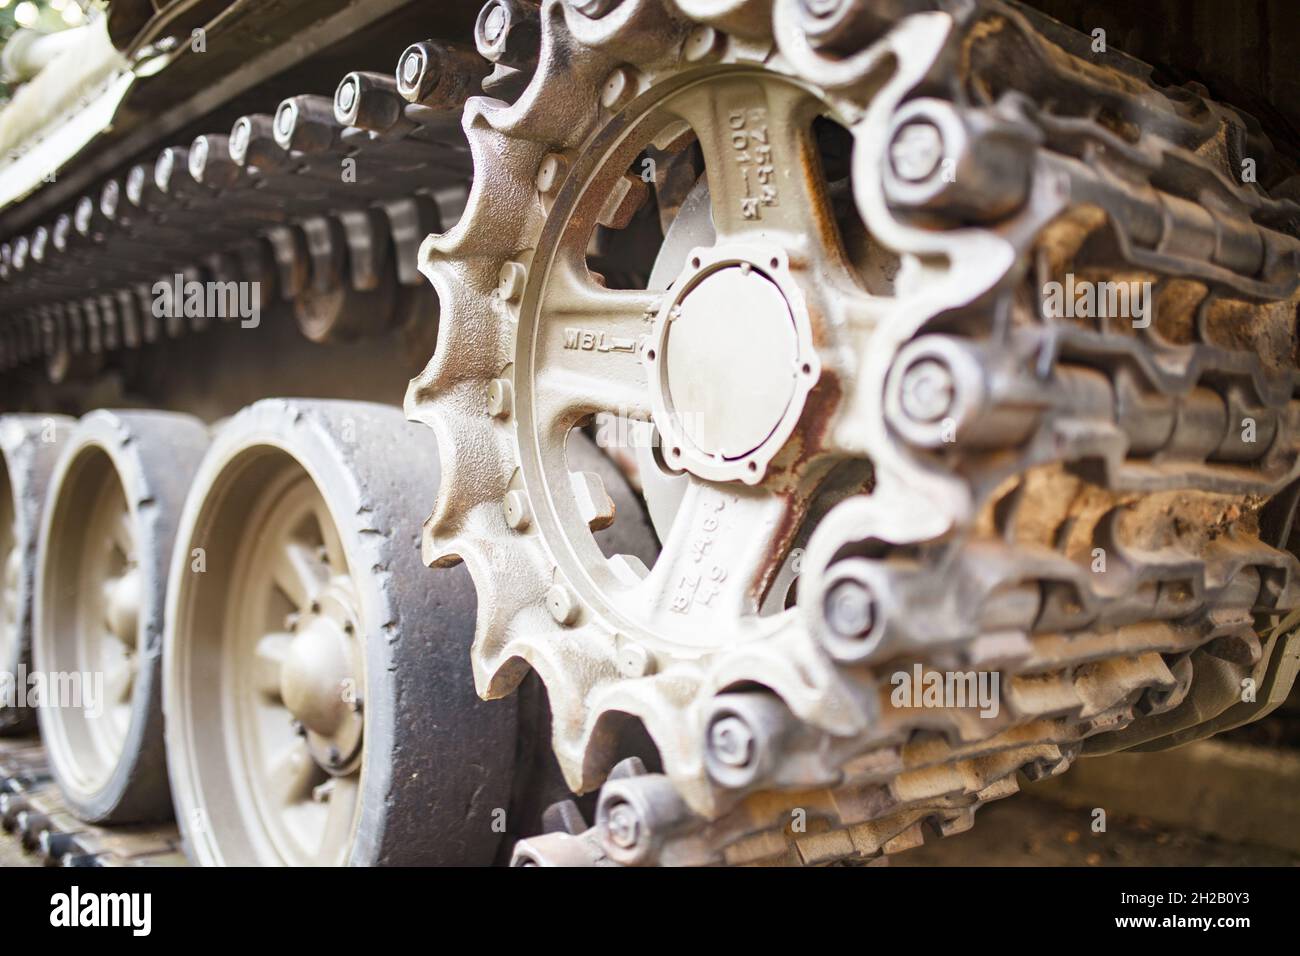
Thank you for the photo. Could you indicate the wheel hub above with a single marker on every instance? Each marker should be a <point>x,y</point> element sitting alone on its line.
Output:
<point>315,672</point>
<point>122,606</point>
<point>730,363</point>
<point>319,682</point>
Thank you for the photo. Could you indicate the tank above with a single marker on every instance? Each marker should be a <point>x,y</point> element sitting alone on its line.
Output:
<point>631,432</point>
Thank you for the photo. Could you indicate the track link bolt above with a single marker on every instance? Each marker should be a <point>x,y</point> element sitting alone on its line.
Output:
<point>928,391</point>
<point>594,9</point>
<point>702,43</point>
<point>634,661</point>
<point>850,609</point>
<point>916,151</point>
<point>732,742</point>
<point>624,826</point>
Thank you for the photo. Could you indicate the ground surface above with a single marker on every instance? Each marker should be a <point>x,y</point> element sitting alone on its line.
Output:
<point>1027,831</point>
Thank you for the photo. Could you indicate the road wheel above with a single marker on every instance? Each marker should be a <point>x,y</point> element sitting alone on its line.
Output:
<point>320,706</point>
<point>105,548</point>
<point>29,446</point>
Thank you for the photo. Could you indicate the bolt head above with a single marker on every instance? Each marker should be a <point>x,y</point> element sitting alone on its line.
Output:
<point>551,173</point>
<point>916,151</point>
<point>495,23</point>
<point>562,604</point>
<point>619,88</point>
<point>198,157</point>
<point>81,217</point>
<point>510,282</point>
<point>634,661</point>
<point>594,9</point>
<point>928,391</point>
<point>822,8</point>
<point>624,826</point>
<point>732,742</point>
<point>411,67</point>
<point>239,137</point>
<point>499,397</point>
<point>850,609</point>
<point>163,169</point>
<point>516,509</point>
<point>701,43</point>
<point>135,184</point>
<point>285,118</point>
<point>347,95</point>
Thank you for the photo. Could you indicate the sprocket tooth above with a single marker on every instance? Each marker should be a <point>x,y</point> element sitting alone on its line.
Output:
<point>471,351</point>
<point>510,587</point>
<point>639,32</point>
<point>475,465</point>
<point>570,662</point>
<point>503,205</point>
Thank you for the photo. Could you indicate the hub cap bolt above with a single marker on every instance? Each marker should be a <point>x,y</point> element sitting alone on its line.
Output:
<point>550,174</point>
<point>411,68</point>
<point>619,89</point>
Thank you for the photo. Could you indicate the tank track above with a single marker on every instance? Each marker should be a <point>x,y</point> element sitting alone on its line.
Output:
<point>362,179</point>
<point>1071,435</point>
<point>32,810</point>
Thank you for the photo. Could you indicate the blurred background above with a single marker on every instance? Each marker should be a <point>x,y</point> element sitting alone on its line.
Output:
<point>45,16</point>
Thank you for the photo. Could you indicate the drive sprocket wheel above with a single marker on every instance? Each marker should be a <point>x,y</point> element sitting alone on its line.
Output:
<point>875,444</point>
<point>740,366</point>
